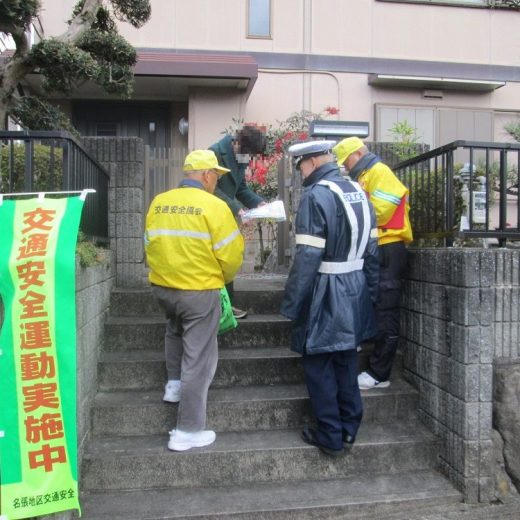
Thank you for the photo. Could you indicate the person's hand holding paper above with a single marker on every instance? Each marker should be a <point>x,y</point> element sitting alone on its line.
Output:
<point>274,210</point>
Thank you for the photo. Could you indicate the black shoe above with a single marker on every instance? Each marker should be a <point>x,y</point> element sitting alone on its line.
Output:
<point>308,436</point>
<point>348,441</point>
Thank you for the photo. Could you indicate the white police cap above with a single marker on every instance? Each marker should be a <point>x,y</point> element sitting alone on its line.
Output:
<point>310,149</point>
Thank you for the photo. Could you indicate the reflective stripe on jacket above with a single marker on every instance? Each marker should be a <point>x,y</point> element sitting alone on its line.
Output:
<point>332,286</point>
<point>192,240</point>
<point>390,200</point>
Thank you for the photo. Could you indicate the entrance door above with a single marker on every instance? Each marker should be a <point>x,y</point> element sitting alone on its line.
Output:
<point>149,121</point>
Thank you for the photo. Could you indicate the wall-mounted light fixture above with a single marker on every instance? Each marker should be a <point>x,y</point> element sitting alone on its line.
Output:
<point>338,129</point>
<point>183,126</point>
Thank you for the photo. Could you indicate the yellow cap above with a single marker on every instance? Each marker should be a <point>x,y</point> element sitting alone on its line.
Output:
<point>346,147</point>
<point>203,160</point>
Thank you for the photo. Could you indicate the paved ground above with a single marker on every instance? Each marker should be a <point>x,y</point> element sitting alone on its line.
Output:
<point>509,511</point>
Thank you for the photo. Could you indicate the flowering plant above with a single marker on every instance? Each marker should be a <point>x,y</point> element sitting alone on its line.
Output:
<point>262,173</point>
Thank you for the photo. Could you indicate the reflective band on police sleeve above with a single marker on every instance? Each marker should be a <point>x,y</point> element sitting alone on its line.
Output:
<point>341,267</point>
<point>309,240</point>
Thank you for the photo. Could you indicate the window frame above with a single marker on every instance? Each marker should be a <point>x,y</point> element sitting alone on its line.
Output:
<point>270,17</point>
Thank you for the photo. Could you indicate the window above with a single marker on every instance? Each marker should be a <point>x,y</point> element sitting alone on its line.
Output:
<point>259,19</point>
<point>436,126</point>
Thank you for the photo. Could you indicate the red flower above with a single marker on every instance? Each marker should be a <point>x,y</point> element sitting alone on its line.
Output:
<point>302,136</point>
<point>260,175</point>
<point>332,110</point>
<point>278,145</point>
<point>258,172</point>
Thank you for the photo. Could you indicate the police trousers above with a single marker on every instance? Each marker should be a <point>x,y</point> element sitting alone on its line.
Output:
<point>191,349</point>
<point>332,384</point>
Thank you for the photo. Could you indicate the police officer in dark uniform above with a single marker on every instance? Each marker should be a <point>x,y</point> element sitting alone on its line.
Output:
<point>330,293</point>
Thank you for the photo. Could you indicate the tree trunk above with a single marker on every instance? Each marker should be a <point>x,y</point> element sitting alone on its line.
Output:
<point>16,69</point>
<point>82,21</point>
<point>12,73</point>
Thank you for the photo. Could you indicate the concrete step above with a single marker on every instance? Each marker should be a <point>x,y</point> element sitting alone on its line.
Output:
<point>246,408</point>
<point>237,458</point>
<point>343,498</point>
<point>146,370</point>
<point>141,302</point>
<point>147,333</point>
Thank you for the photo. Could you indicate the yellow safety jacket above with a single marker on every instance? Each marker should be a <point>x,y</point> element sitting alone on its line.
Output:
<point>192,241</point>
<point>390,200</point>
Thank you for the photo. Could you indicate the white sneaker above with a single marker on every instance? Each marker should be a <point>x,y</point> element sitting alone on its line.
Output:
<point>367,382</point>
<point>182,441</point>
<point>359,348</point>
<point>172,391</point>
<point>238,313</point>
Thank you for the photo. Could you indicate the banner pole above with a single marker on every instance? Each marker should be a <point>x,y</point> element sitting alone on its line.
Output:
<point>42,194</point>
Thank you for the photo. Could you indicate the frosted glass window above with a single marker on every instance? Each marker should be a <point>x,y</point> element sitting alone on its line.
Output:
<point>259,18</point>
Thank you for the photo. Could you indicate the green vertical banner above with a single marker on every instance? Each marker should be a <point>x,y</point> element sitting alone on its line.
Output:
<point>38,447</point>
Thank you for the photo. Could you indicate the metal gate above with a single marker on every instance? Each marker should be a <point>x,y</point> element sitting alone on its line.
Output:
<point>163,170</point>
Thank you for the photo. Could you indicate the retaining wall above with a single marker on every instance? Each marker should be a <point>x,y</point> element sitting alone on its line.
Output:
<point>460,314</point>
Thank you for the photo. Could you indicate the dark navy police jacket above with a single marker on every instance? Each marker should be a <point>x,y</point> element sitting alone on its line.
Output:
<point>332,286</point>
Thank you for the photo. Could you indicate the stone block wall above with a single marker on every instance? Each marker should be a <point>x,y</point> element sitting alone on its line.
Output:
<point>93,287</point>
<point>505,305</point>
<point>460,312</point>
<point>124,159</point>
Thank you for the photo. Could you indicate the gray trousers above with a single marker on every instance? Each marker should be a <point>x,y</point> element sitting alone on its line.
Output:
<point>191,349</point>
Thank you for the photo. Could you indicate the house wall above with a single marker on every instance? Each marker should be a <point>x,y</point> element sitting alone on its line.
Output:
<point>368,28</point>
<point>209,110</point>
<point>321,52</point>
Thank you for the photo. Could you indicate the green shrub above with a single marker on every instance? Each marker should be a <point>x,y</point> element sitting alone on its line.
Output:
<point>427,201</point>
<point>87,251</point>
<point>47,168</point>
<point>405,140</point>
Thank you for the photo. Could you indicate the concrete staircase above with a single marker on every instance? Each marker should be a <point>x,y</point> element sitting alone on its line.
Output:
<point>258,468</point>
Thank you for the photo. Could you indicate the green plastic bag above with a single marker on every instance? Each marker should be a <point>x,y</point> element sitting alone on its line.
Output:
<point>227,319</point>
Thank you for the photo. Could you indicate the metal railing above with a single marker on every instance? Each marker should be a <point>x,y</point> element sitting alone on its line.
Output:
<point>33,161</point>
<point>464,189</point>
